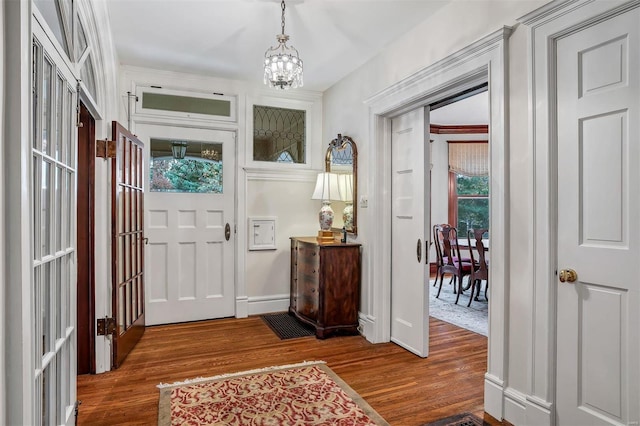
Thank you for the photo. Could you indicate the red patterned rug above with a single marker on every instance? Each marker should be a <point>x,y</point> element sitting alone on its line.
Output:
<point>301,394</point>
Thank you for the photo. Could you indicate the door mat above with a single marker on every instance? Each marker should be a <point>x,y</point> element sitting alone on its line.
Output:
<point>286,326</point>
<point>464,419</point>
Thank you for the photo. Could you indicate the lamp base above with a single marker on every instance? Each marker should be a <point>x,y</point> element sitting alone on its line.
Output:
<point>325,236</point>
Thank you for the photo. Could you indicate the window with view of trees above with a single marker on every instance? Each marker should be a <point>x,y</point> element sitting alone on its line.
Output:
<point>199,171</point>
<point>469,207</point>
<point>469,185</point>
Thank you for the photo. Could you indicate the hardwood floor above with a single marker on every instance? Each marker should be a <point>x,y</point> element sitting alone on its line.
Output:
<point>403,388</point>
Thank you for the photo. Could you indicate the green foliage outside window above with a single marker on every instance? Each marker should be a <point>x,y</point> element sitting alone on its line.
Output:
<point>187,175</point>
<point>473,202</point>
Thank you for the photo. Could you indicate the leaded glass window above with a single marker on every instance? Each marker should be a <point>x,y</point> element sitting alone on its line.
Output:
<point>278,133</point>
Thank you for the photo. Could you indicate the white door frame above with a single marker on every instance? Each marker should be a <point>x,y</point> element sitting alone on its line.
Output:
<point>545,25</point>
<point>481,62</point>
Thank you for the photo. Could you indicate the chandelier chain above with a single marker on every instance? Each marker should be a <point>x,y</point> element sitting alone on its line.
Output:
<point>283,7</point>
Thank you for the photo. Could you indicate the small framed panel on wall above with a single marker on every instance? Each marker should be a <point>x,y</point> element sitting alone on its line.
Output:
<point>262,233</point>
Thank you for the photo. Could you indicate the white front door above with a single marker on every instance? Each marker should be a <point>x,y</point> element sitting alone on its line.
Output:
<point>598,318</point>
<point>409,263</point>
<point>189,223</point>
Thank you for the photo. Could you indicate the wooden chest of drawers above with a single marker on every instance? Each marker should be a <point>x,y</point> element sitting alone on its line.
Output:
<point>325,285</point>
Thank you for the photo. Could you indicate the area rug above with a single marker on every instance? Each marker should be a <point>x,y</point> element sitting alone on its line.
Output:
<point>286,326</point>
<point>301,394</point>
<point>473,318</point>
<point>464,419</point>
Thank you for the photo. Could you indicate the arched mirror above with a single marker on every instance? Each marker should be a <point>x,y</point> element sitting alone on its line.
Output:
<point>342,159</point>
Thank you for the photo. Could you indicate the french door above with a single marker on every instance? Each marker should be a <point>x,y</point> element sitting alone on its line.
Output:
<point>53,191</point>
<point>127,247</point>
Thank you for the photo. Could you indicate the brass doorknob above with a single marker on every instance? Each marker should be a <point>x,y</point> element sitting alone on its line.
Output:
<point>568,275</point>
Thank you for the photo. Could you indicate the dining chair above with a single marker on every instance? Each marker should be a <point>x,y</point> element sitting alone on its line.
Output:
<point>480,270</point>
<point>453,263</point>
<point>437,242</point>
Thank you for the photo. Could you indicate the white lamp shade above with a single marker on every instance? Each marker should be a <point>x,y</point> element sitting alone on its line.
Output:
<point>345,185</point>
<point>326,187</point>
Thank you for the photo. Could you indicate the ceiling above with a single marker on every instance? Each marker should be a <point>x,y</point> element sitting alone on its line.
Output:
<point>228,38</point>
<point>468,111</point>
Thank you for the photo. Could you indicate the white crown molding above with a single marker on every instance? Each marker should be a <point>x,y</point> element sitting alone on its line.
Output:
<point>463,55</point>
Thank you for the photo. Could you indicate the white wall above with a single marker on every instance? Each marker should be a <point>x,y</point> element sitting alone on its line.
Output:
<point>521,226</point>
<point>268,271</point>
<point>450,29</point>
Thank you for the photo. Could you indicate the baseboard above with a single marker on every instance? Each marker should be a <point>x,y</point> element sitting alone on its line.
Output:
<point>366,326</point>
<point>268,304</point>
<point>515,407</point>
<point>539,411</point>
<point>241,307</point>
<point>493,396</point>
<point>525,410</point>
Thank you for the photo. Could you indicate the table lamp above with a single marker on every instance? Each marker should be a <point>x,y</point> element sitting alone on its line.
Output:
<point>326,190</point>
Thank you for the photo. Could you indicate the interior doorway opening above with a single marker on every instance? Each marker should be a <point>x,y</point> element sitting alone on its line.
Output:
<point>459,197</point>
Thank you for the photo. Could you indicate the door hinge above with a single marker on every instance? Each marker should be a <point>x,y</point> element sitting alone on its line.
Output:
<point>105,148</point>
<point>106,326</point>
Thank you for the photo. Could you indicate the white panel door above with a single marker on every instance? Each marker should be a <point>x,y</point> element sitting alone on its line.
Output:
<point>409,263</point>
<point>599,224</point>
<point>189,262</point>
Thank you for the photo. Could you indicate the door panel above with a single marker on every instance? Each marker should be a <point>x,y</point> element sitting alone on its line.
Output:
<point>191,264</point>
<point>127,201</point>
<point>410,185</point>
<point>598,231</point>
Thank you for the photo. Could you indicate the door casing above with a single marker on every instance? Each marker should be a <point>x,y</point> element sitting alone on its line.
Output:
<point>546,25</point>
<point>484,61</point>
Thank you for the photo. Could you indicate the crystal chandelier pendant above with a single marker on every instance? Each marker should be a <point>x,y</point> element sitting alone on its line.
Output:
<point>282,63</point>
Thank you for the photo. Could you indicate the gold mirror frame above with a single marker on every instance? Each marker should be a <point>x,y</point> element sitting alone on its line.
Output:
<point>340,143</point>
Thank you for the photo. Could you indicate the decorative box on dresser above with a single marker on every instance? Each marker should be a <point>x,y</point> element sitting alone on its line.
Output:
<point>325,285</point>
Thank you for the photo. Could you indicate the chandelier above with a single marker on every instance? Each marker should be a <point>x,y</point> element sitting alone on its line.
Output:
<point>282,64</point>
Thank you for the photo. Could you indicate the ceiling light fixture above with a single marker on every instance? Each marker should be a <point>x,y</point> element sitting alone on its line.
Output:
<point>282,63</point>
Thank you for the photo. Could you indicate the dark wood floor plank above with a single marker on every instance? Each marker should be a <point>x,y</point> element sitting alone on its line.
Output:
<point>405,389</point>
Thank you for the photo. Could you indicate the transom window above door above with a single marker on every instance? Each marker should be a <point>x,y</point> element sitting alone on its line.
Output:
<point>185,166</point>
